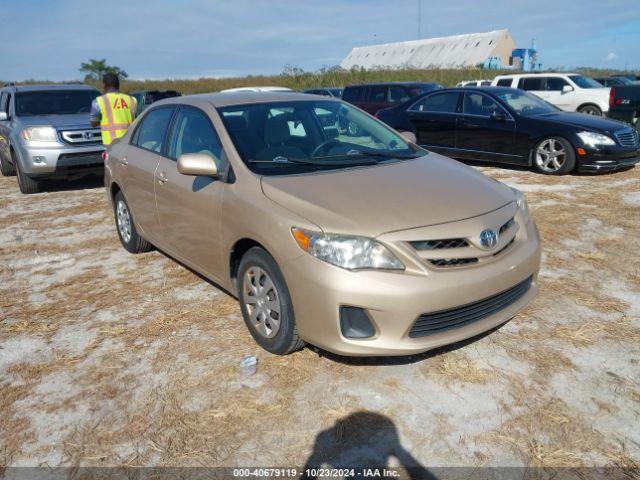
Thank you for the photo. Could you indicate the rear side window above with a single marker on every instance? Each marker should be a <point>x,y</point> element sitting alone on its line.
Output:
<point>353,94</point>
<point>193,133</point>
<point>505,82</point>
<point>398,94</point>
<point>377,94</point>
<point>439,102</point>
<point>150,134</point>
<point>532,83</point>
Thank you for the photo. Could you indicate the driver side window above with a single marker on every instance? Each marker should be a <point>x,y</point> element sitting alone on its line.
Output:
<point>193,133</point>
<point>480,105</point>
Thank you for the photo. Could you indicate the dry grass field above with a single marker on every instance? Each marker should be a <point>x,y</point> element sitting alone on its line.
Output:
<point>112,359</point>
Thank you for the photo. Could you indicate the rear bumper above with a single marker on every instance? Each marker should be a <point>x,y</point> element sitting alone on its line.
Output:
<point>608,161</point>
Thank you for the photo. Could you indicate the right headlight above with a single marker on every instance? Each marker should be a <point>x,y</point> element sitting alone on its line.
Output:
<point>523,206</point>
<point>347,251</point>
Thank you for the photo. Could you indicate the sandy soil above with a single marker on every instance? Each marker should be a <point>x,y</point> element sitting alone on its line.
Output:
<point>112,359</point>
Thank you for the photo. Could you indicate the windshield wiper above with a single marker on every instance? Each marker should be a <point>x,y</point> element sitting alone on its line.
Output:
<point>304,161</point>
<point>378,154</point>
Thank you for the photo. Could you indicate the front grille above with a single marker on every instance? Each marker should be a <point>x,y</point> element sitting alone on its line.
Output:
<point>437,322</point>
<point>82,137</point>
<point>628,138</point>
<point>452,262</point>
<point>506,226</point>
<point>440,244</point>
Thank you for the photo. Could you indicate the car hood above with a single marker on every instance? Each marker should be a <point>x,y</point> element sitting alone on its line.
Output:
<point>374,200</point>
<point>580,120</point>
<point>78,120</point>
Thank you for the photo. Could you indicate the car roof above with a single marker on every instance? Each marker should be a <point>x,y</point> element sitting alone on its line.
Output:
<point>536,74</point>
<point>382,84</point>
<point>42,88</point>
<point>227,99</point>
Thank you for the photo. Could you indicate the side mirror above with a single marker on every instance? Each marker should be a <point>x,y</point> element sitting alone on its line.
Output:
<point>567,89</point>
<point>203,164</point>
<point>3,116</point>
<point>498,116</point>
<point>409,136</point>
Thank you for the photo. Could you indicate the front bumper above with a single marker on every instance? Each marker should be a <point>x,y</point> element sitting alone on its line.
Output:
<point>608,160</point>
<point>61,160</point>
<point>394,301</point>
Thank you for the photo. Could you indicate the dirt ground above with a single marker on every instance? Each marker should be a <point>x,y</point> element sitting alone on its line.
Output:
<point>107,358</point>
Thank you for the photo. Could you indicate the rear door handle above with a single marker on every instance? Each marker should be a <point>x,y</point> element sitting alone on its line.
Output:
<point>162,178</point>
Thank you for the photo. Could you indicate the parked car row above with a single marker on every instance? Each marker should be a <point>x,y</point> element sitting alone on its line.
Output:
<point>332,227</point>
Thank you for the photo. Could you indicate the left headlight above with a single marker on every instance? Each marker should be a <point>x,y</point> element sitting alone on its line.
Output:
<point>592,139</point>
<point>345,251</point>
<point>40,134</point>
<point>523,206</point>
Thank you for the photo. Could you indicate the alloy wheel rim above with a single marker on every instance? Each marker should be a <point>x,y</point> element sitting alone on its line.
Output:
<point>124,221</point>
<point>262,301</point>
<point>591,111</point>
<point>551,155</point>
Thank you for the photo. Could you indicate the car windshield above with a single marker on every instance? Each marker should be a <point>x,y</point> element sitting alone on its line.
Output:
<point>283,138</point>
<point>525,103</point>
<point>624,80</point>
<point>54,102</point>
<point>336,92</point>
<point>584,82</point>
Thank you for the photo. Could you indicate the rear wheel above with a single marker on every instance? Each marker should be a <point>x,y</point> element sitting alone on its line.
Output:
<point>131,241</point>
<point>591,110</point>
<point>554,156</point>
<point>266,304</point>
<point>25,182</point>
<point>7,168</point>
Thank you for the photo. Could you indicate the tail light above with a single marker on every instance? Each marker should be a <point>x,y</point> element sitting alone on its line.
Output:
<point>612,97</point>
<point>104,156</point>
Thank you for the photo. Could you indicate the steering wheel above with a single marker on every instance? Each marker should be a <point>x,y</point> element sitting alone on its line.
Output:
<point>324,145</point>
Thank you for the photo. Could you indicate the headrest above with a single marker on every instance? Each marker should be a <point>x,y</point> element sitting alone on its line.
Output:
<point>276,130</point>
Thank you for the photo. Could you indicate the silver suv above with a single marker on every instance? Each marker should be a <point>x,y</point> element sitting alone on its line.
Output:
<point>45,133</point>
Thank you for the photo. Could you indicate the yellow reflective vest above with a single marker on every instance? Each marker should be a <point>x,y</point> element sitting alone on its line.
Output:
<point>118,110</point>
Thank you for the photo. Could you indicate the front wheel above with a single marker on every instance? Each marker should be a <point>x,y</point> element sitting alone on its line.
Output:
<point>131,241</point>
<point>554,156</point>
<point>266,304</point>
<point>27,184</point>
<point>591,110</point>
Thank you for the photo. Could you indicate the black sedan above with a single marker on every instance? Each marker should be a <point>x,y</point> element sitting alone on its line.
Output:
<point>507,125</point>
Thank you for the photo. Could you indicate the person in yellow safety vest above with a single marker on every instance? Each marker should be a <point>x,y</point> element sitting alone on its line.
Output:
<point>113,111</point>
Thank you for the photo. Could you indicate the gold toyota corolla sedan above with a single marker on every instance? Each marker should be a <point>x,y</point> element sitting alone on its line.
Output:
<point>330,227</point>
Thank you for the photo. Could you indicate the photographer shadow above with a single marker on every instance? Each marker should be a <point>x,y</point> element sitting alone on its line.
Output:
<point>362,440</point>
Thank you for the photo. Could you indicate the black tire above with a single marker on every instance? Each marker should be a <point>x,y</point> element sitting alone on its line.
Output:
<point>568,162</point>
<point>7,168</point>
<point>590,110</point>
<point>286,340</point>
<point>129,237</point>
<point>27,184</point>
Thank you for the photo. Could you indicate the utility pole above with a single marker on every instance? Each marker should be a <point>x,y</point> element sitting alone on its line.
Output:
<point>419,19</point>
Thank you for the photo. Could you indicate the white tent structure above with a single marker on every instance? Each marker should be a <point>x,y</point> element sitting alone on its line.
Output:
<point>457,51</point>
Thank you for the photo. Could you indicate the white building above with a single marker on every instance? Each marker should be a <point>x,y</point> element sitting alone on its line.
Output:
<point>457,51</point>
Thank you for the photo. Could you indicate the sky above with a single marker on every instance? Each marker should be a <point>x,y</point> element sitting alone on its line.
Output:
<point>157,39</point>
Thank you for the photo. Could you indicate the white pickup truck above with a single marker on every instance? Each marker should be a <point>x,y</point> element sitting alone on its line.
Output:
<point>571,92</point>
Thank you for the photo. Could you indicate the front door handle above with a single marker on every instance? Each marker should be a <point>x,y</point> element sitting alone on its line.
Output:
<point>162,178</point>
